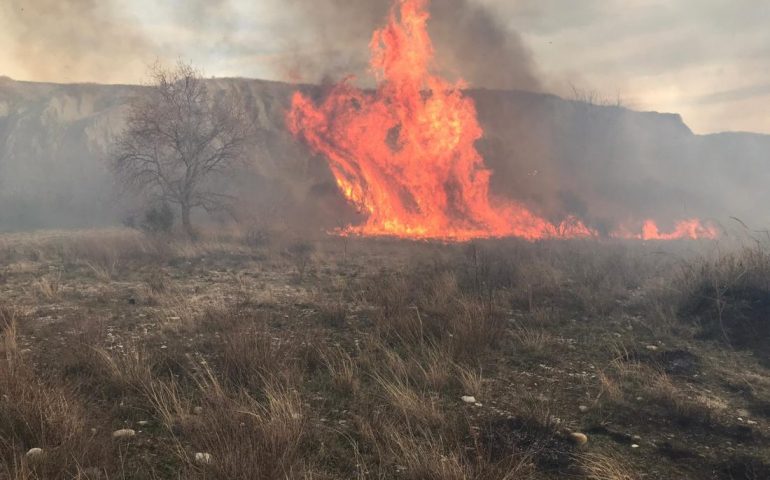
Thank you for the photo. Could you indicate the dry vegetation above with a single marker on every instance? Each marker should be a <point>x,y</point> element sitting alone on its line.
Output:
<point>332,358</point>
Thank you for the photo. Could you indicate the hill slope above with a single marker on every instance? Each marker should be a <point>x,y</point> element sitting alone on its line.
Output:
<point>606,164</point>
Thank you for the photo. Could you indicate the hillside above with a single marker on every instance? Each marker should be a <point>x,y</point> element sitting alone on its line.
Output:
<point>606,164</point>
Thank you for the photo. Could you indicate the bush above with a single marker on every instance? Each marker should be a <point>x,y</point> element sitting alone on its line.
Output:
<point>158,219</point>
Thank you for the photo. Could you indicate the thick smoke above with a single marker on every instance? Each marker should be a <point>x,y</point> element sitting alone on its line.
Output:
<point>471,43</point>
<point>74,40</point>
<point>105,41</point>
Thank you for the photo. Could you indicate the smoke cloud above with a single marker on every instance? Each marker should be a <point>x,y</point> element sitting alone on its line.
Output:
<point>73,40</point>
<point>470,42</point>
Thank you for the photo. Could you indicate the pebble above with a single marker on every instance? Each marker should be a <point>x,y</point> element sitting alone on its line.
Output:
<point>652,347</point>
<point>198,410</point>
<point>578,438</point>
<point>634,446</point>
<point>583,409</point>
<point>34,452</point>
<point>123,433</point>
<point>468,399</point>
<point>203,458</point>
<point>143,423</point>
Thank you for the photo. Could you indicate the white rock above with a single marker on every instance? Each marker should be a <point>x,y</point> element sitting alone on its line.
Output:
<point>583,409</point>
<point>478,404</point>
<point>203,458</point>
<point>143,423</point>
<point>198,410</point>
<point>652,347</point>
<point>634,446</point>
<point>579,438</point>
<point>468,399</point>
<point>34,452</point>
<point>123,433</point>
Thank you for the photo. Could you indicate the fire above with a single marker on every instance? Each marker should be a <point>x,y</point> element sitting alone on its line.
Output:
<point>692,229</point>
<point>405,154</point>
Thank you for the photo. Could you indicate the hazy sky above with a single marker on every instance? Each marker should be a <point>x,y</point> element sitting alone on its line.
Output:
<point>706,59</point>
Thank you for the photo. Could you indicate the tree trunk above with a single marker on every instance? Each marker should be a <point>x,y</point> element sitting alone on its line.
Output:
<point>188,228</point>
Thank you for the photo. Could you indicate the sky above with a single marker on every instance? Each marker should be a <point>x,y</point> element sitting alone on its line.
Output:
<point>708,60</point>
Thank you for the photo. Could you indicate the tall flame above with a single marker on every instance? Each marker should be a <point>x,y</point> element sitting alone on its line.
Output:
<point>405,154</point>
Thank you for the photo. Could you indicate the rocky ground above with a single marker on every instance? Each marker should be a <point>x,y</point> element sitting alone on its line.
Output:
<point>254,356</point>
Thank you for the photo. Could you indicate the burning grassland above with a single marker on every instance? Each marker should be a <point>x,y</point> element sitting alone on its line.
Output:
<point>347,357</point>
<point>405,155</point>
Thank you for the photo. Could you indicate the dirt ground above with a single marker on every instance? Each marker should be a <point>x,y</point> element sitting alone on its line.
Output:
<point>277,356</point>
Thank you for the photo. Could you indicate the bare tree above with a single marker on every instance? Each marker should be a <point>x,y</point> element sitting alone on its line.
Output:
<point>178,139</point>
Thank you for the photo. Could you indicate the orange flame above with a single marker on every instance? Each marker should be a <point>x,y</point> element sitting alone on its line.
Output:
<point>405,154</point>
<point>685,229</point>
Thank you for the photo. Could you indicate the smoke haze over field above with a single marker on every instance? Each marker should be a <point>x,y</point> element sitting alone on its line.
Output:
<point>705,59</point>
<point>605,164</point>
<point>602,163</point>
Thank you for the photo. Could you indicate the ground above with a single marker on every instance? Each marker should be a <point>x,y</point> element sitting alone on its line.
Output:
<point>271,355</point>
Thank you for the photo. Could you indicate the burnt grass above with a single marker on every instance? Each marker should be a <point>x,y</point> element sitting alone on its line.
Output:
<point>339,358</point>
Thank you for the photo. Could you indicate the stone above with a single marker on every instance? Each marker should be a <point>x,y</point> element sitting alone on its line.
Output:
<point>143,423</point>
<point>124,433</point>
<point>578,438</point>
<point>468,399</point>
<point>202,458</point>
<point>34,453</point>
<point>583,409</point>
<point>634,445</point>
<point>198,410</point>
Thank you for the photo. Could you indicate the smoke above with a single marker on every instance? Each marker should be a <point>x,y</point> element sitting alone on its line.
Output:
<point>73,40</point>
<point>471,43</point>
<point>109,41</point>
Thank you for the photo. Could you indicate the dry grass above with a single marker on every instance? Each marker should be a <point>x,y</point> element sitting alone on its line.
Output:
<point>353,365</point>
<point>417,408</point>
<point>343,369</point>
<point>247,438</point>
<point>536,341</point>
<point>605,467</point>
<point>47,287</point>
<point>472,381</point>
<point>37,415</point>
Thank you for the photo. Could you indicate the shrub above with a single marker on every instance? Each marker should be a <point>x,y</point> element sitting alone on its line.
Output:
<point>158,219</point>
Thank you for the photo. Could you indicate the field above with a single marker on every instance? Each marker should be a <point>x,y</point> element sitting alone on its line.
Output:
<point>272,356</point>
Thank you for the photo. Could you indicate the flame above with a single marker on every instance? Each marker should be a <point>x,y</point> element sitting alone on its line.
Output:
<point>405,154</point>
<point>685,229</point>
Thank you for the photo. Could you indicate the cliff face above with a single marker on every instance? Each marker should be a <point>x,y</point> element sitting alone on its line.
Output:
<point>606,164</point>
